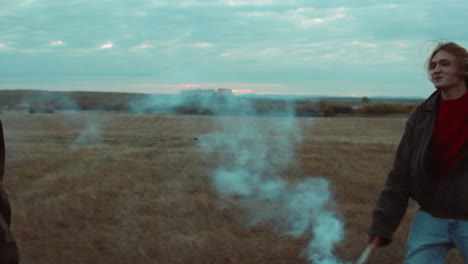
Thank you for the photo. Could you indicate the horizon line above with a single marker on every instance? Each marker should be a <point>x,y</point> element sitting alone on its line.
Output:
<point>236,94</point>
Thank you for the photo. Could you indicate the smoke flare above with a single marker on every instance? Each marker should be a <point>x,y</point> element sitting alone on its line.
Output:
<point>254,152</point>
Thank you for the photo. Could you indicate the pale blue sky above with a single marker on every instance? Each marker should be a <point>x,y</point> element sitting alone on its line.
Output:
<point>333,47</point>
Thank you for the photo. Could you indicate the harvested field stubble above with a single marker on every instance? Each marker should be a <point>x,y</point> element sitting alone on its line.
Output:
<point>135,189</point>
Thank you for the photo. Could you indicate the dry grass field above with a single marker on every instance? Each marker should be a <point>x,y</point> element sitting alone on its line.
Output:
<point>104,187</point>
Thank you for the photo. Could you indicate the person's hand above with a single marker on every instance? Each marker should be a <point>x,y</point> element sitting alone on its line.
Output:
<point>378,241</point>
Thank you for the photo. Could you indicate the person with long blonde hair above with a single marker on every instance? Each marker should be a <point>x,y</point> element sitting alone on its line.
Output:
<point>431,167</point>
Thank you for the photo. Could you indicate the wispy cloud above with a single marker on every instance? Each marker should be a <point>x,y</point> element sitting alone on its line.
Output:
<point>57,43</point>
<point>247,2</point>
<point>141,47</point>
<point>202,45</point>
<point>106,45</point>
<point>315,17</point>
<point>364,44</point>
<point>242,91</point>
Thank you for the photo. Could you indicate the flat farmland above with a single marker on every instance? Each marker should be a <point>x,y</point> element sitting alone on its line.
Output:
<point>115,187</point>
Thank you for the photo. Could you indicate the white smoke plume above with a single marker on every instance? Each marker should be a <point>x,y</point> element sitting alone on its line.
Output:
<point>46,102</point>
<point>155,103</point>
<point>91,134</point>
<point>90,126</point>
<point>255,151</point>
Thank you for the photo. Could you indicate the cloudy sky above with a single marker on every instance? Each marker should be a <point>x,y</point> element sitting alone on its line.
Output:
<point>309,47</point>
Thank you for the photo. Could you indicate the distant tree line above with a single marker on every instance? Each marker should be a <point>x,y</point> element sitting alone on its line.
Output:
<point>215,104</point>
<point>300,108</point>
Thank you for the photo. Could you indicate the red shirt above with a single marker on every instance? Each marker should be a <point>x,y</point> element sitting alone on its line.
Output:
<point>449,141</point>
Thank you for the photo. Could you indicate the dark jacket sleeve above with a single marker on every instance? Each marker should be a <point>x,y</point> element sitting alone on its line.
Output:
<point>5,209</point>
<point>394,196</point>
<point>2,153</point>
<point>8,247</point>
